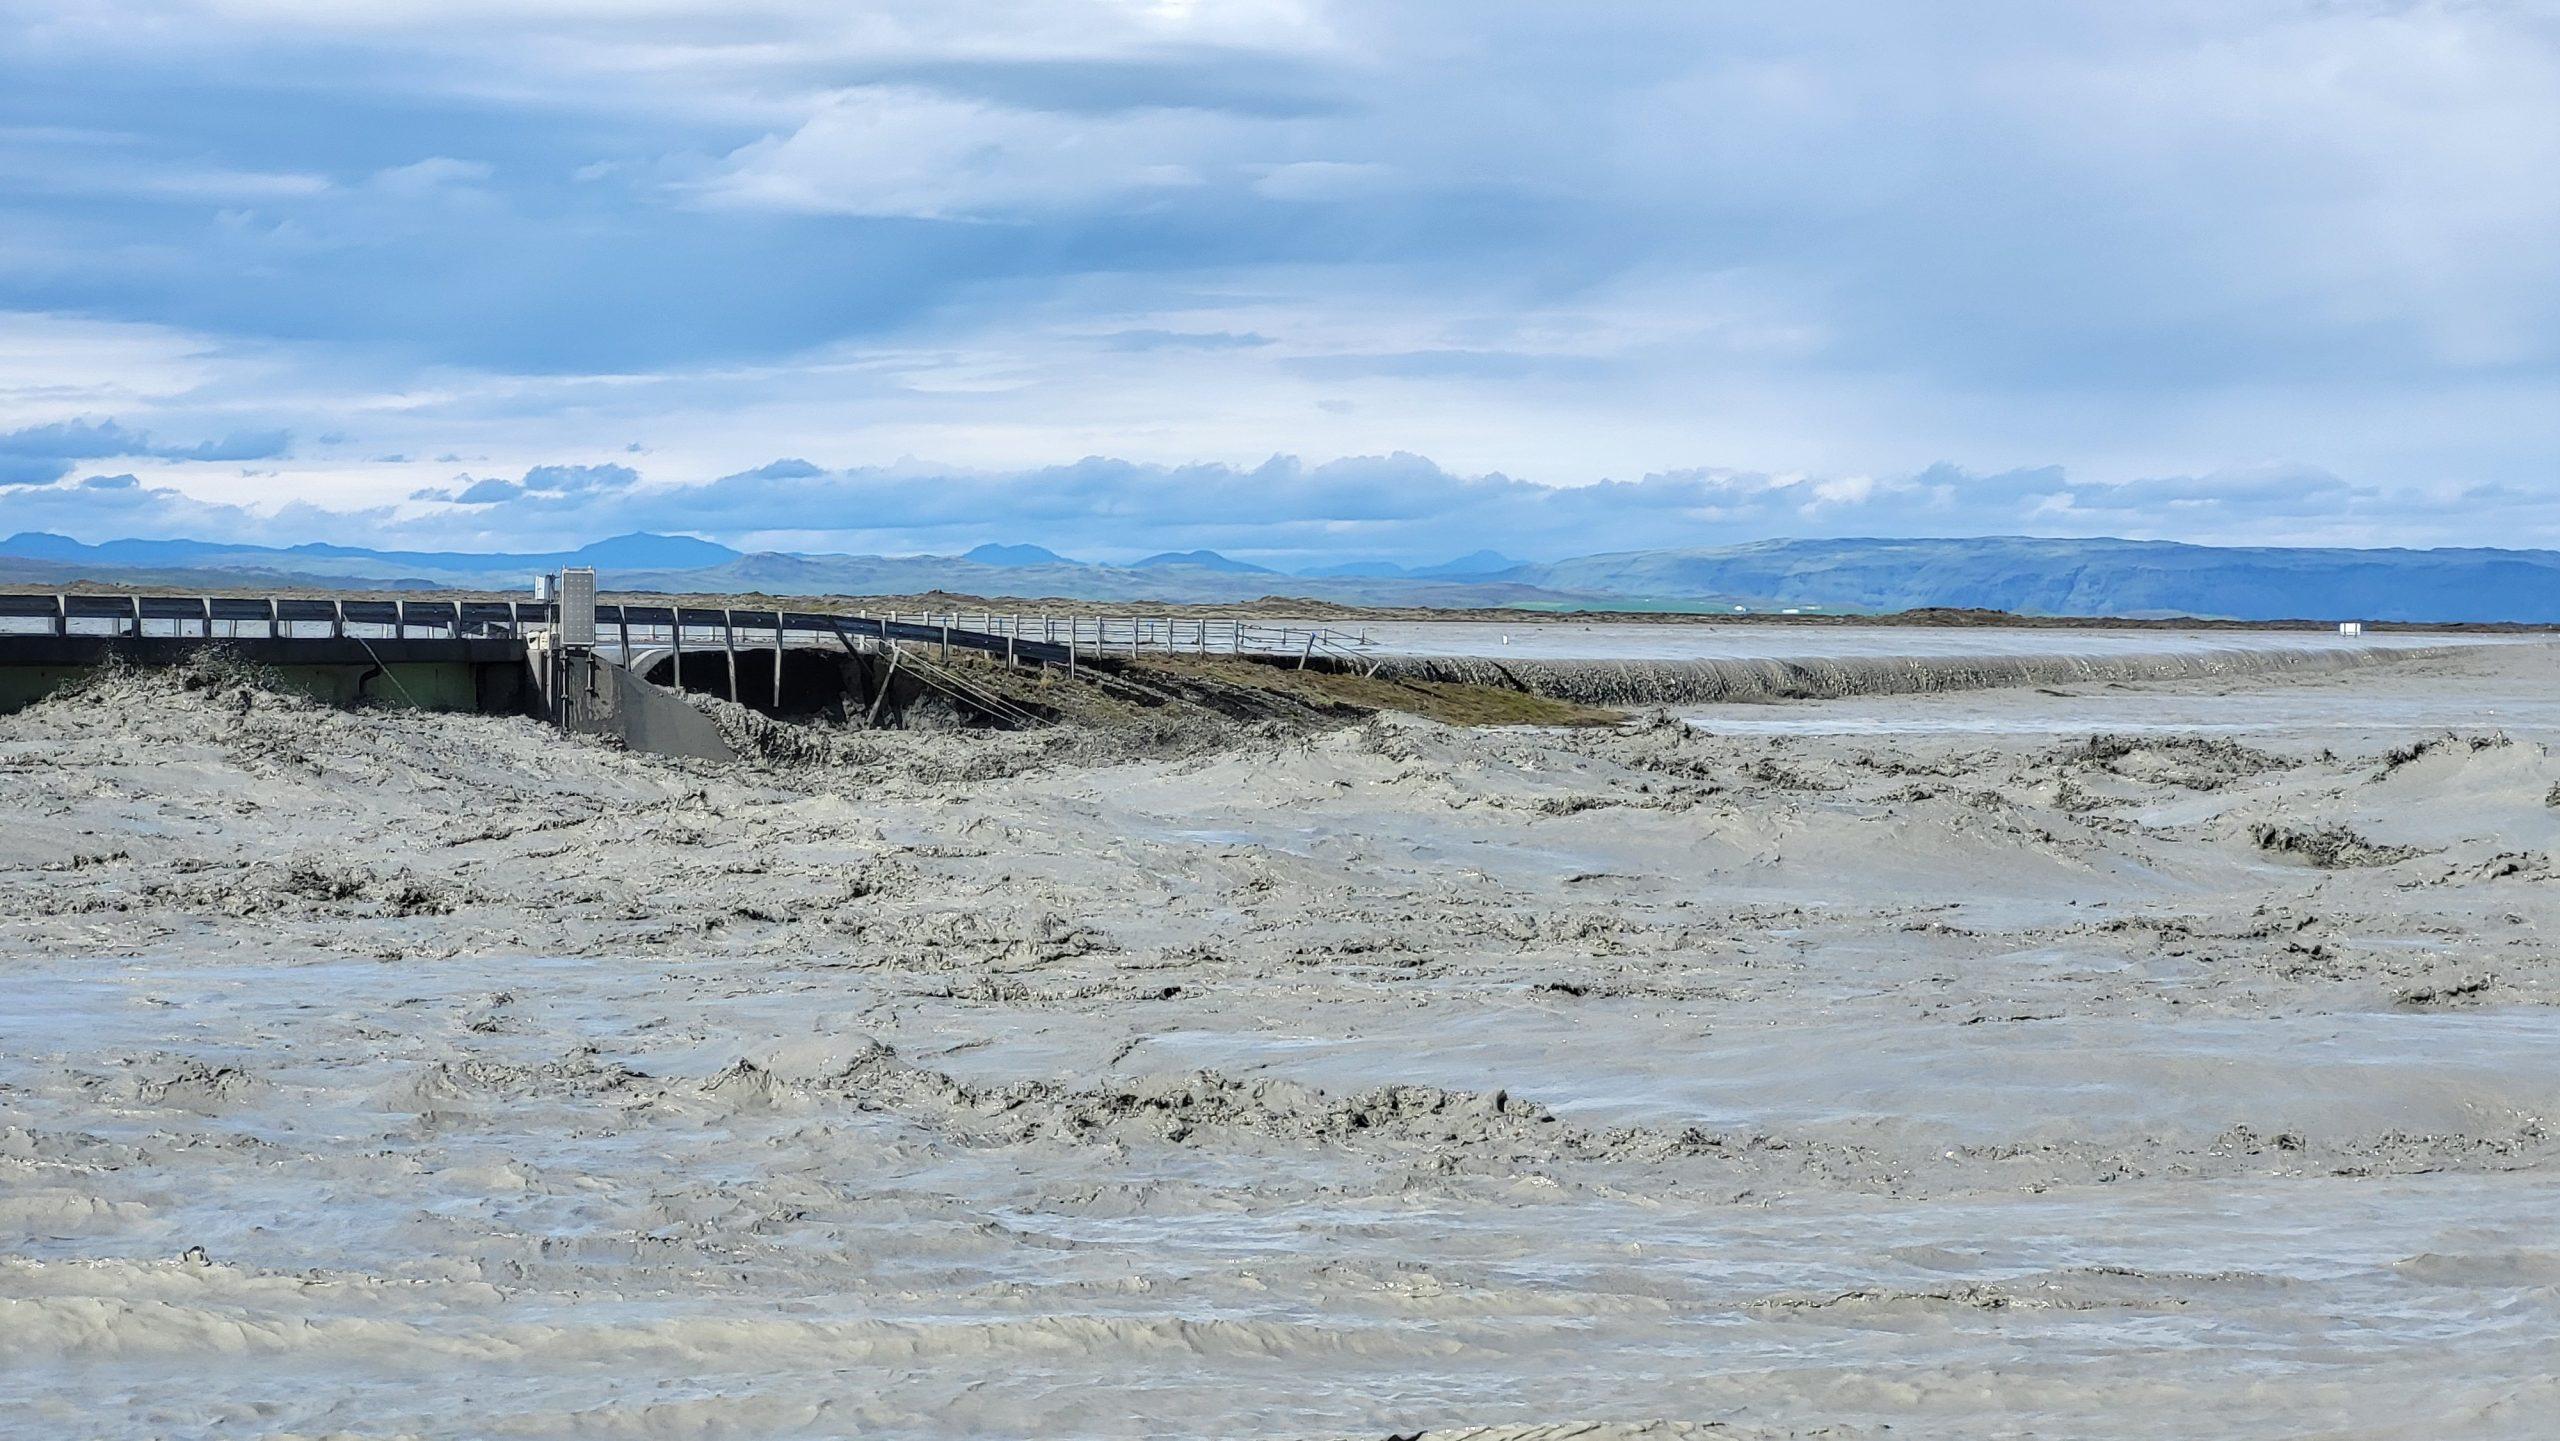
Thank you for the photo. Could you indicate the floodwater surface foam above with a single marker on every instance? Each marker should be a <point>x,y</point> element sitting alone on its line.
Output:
<point>389,1074</point>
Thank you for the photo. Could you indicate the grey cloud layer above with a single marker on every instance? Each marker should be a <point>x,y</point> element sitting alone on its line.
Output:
<point>1406,506</point>
<point>42,454</point>
<point>2161,195</point>
<point>1399,507</point>
<point>555,480</point>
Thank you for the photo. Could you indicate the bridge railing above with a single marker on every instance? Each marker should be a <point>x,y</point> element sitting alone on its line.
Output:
<point>634,623</point>
<point>264,617</point>
<point>637,624</point>
<point>1164,635</point>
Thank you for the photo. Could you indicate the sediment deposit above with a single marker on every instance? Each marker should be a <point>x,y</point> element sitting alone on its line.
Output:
<point>1676,681</point>
<point>384,1074</point>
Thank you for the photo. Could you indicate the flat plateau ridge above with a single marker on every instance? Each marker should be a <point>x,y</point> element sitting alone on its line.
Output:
<point>388,1074</point>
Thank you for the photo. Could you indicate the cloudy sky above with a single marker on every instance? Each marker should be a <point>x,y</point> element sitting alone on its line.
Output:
<point>1291,278</point>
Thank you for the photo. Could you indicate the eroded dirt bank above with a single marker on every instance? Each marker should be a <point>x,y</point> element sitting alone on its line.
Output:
<point>385,1074</point>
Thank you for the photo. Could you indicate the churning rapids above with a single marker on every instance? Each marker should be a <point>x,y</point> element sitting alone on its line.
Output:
<point>381,1074</point>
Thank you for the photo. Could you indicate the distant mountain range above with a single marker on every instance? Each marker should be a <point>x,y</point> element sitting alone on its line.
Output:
<point>2052,577</point>
<point>1200,560</point>
<point>2082,577</point>
<point>1477,566</point>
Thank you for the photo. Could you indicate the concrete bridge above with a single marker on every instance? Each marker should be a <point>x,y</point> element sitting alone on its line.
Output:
<point>482,655</point>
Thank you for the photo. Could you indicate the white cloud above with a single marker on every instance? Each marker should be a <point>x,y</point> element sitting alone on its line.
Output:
<point>437,174</point>
<point>54,366</point>
<point>1324,180</point>
<point>903,152</point>
<point>80,171</point>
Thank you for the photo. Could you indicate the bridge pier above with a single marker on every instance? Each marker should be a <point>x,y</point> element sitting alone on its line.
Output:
<point>583,693</point>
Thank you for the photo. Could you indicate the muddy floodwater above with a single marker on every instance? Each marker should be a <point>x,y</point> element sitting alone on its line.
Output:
<point>1625,640</point>
<point>2166,1060</point>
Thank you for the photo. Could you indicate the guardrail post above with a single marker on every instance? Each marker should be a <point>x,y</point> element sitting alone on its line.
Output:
<point>675,642</point>
<point>205,603</point>
<point>62,615</point>
<point>880,697</point>
<point>729,643</point>
<point>137,617</point>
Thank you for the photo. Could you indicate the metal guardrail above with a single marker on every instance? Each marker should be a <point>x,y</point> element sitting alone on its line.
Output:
<point>261,617</point>
<point>1133,636</point>
<point>1067,639</point>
